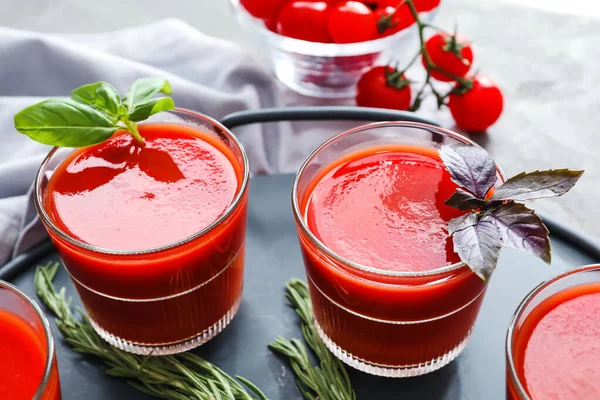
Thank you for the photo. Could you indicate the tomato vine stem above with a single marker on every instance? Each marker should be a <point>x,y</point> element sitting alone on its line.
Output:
<point>463,82</point>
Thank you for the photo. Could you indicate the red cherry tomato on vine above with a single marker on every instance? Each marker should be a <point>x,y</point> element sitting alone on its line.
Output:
<point>426,5</point>
<point>352,22</point>
<point>478,108</point>
<point>263,9</point>
<point>420,5</point>
<point>305,20</point>
<point>400,20</point>
<point>377,88</point>
<point>443,49</point>
<point>271,24</point>
<point>375,4</point>
<point>388,3</point>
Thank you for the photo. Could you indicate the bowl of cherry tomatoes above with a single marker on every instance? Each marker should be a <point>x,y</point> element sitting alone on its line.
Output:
<point>321,48</point>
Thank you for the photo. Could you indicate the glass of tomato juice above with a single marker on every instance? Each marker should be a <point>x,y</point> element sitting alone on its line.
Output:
<point>553,342</point>
<point>152,235</point>
<point>390,296</point>
<point>28,368</point>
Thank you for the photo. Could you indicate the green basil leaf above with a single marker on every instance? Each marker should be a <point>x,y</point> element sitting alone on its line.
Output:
<point>122,110</point>
<point>150,107</point>
<point>101,96</point>
<point>64,122</point>
<point>144,89</point>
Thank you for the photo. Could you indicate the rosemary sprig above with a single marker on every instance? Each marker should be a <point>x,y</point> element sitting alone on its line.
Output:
<point>327,381</point>
<point>181,377</point>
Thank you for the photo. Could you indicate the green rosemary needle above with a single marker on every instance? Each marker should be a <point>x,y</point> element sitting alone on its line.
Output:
<point>327,381</point>
<point>180,377</point>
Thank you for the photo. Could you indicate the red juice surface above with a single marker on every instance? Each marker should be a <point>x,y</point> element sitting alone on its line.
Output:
<point>383,208</point>
<point>558,348</point>
<point>22,358</point>
<point>121,196</point>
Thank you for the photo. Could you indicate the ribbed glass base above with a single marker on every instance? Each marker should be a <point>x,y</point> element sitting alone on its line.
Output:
<point>164,349</point>
<point>390,371</point>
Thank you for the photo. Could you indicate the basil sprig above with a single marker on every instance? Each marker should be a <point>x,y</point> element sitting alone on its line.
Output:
<point>94,113</point>
<point>497,219</point>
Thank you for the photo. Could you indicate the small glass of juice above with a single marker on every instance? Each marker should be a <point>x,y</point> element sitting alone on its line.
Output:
<point>152,235</point>
<point>28,368</point>
<point>553,342</point>
<point>390,296</point>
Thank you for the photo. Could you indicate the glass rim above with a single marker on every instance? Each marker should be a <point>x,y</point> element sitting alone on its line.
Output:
<point>98,249</point>
<point>324,49</point>
<point>50,346</point>
<point>300,220</point>
<point>510,357</point>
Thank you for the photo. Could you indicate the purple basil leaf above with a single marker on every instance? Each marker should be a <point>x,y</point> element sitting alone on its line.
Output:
<point>462,222</point>
<point>522,230</point>
<point>537,185</point>
<point>479,246</point>
<point>464,200</point>
<point>471,167</point>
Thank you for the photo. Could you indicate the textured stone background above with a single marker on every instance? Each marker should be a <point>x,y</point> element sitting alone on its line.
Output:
<point>546,62</point>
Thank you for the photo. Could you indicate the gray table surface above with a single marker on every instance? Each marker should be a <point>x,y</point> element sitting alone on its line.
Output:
<point>545,62</point>
<point>272,257</point>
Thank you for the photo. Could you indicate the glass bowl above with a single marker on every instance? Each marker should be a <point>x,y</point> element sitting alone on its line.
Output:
<point>328,70</point>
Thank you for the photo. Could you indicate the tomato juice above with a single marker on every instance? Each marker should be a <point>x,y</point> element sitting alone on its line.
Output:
<point>28,367</point>
<point>555,347</point>
<point>390,296</point>
<point>153,236</point>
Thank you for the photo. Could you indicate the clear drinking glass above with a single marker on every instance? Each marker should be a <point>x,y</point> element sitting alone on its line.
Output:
<point>388,323</point>
<point>18,305</point>
<point>168,299</point>
<point>515,383</point>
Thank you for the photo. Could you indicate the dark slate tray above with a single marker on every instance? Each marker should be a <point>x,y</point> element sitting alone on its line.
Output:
<point>273,256</point>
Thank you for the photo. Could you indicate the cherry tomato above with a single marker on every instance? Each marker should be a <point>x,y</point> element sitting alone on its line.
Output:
<point>271,24</point>
<point>352,22</point>
<point>401,19</point>
<point>375,4</point>
<point>376,89</point>
<point>305,20</point>
<point>263,9</point>
<point>426,5</point>
<point>443,48</point>
<point>420,5</point>
<point>478,108</point>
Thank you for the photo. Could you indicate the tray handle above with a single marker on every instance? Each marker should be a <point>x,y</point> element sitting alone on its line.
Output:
<point>327,113</point>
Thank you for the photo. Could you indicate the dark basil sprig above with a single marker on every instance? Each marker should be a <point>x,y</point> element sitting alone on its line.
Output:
<point>93,113</point>
<point>496,220</point>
